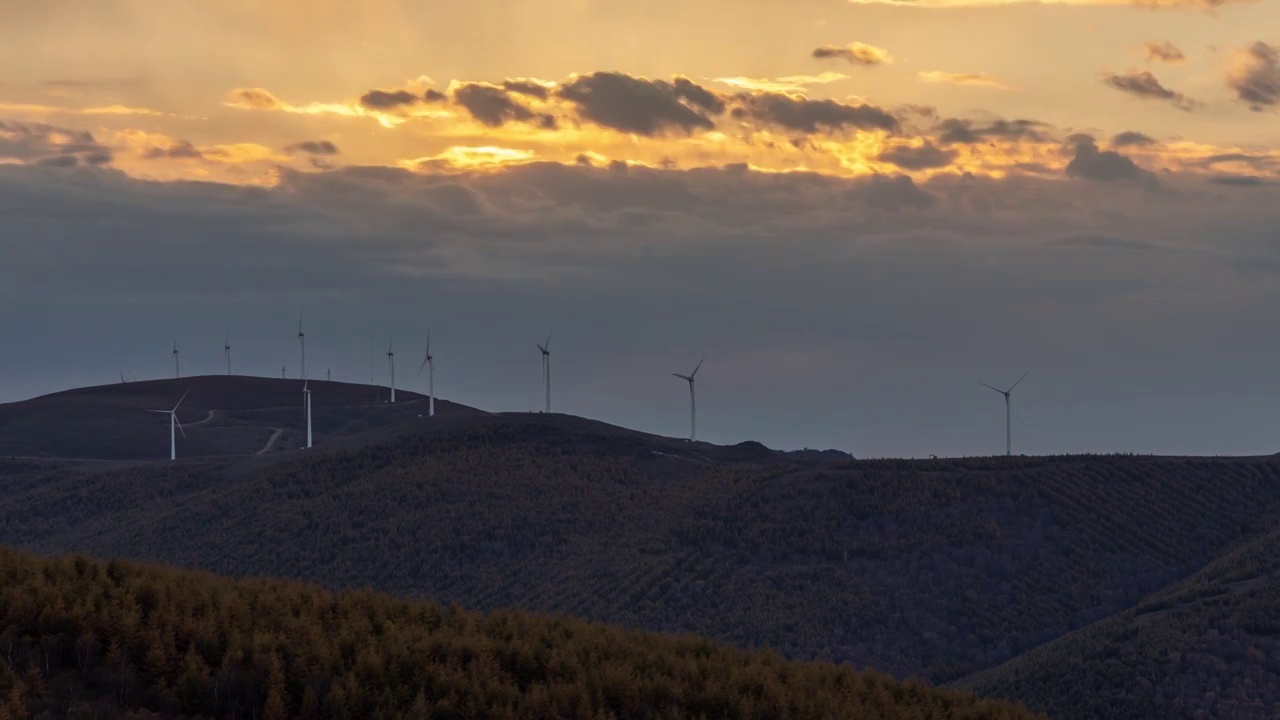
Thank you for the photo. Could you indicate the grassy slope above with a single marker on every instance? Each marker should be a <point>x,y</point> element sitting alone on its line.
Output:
<point>86,639</point>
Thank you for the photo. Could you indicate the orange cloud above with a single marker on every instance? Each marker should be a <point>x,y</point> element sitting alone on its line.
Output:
<point>982,79</point>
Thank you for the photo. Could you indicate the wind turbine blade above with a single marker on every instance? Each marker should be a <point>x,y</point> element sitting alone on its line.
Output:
<point>166,412</point>
<point>992,387</point>
<point>304,386</point>
<point>1024,377</point>
<point>695,370</point>
<point>544,350</point>
<point>428,342</point>
<point>684,377</point>
<point>184,397</point>
<point>548,349</point>
<point>179,424</point>
<point>299,323</point>
<point>390,345</point>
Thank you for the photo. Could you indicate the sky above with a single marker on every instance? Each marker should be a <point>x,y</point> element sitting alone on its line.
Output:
<point>857,212</point>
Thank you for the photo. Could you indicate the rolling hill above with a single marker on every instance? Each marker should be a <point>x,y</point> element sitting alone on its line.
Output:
<point>221,415</point>
<point>974,572</point>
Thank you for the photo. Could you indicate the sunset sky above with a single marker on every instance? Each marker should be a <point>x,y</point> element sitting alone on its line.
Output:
<point>856,210</point>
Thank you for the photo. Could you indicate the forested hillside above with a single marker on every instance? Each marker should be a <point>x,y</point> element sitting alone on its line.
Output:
<point>85,639</point>
<point>1205,648</point>
<point>937,569</point>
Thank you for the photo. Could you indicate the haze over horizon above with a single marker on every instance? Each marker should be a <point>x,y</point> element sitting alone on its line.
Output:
<point>857,211</point>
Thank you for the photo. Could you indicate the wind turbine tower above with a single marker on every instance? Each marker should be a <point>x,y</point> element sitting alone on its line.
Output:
<point>177,368</point>
<point>391,360</point>
<point>306,397</point>
<point>174,424</point>
<point>1008,413</point>
<point>427,362</point>
<point>282,372</point>
<point>546,370</point>
<point>693,401</point>
<point>226,350</point>
<point>302,344</point>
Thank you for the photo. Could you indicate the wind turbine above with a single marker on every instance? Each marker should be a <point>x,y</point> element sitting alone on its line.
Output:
<point>302,343</point>
<point>226,349</point>
<point>282,372</point>
<point>391,359</point>
<point>1008,413</point>
<point>306,396</point>
<point>173,423</point>
<point>427,362</point>
<point>693,401</point>
<point>546,369</point>
<point>177,369</point>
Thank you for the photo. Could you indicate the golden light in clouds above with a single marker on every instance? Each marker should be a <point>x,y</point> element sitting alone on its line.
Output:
<point>981,79</point>
<point>461,157</point>
<point>787,84</point>
<point>38,109</point>
<point>260,99</point>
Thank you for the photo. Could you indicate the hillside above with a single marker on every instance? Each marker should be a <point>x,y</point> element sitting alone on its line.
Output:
<point>221,415</point>
<point>89,639</point>
<point>1208,647</point>
<point>937,569</point>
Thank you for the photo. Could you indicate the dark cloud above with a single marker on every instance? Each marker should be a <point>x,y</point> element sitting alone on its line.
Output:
<point>62,161</point>
<point>387,99</point>
<point>968,132</point>
<point>1238,180</point>
<point>1164,51</point>
<point>1255,76</point>
<point>314,147</point>
<point>527,87</point>
<point>178,150</point>
<point>895,192</point>
<point>698,95</point>
<point>50,145</point>
<point>923,157</point>
<point>641,106</point>
<point>1130,138</point>
<point>255,98</point>
<point>855,53</point>
<point>97,157</point>
<point>1104,242</point>
<point>1090,163</point>
<point>492,106</point>
<point>811,116</point>
<point>1143,84</point>
<point>432,96</point>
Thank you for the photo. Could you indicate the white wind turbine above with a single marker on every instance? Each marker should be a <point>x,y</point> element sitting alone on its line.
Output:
<point>177,369</point>
<point>306,397</point>
<point>391,360</point>
<point>1008,413</point>
<point>302,343</point>
<point>173,423</point>
<point>546,370</point>
<point>693,401</point>
<point>427,362</point>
